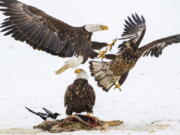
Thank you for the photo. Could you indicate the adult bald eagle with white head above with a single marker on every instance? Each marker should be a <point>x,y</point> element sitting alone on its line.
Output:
<point>43,32</point>
<point>80,95</point>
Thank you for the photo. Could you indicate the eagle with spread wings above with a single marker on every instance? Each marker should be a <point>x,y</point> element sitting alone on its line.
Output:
<point>116,71</point>
<point>46,33</point>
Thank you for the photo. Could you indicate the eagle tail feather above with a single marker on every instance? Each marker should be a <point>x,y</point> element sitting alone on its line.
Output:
<point>71,63</point>
<point>103,76</point>
<point>62,69</point>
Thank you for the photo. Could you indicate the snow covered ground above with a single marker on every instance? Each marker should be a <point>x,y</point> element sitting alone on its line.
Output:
<point>150,94</point>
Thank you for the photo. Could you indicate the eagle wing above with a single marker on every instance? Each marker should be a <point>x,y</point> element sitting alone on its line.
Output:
<point>98,45</point>
<point>91,94</point>
<point>38,29</point>
<point>134,31</point>
<point>110,56</point>
<point>68,94</point>
<point>155,48</point>
<point>123,78</point>
<point>134,27</point>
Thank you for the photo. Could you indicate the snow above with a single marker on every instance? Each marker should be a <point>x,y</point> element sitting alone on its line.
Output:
<point>150,94</point>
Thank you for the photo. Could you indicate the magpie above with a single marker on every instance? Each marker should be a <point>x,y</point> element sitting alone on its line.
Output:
<point>48,115</point>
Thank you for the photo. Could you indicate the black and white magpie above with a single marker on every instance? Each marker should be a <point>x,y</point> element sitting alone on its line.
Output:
<point>48,115</point>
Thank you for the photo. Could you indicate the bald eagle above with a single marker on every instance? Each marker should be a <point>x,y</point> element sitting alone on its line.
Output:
<point>116,71</point>
<point>43,32</point>
<point>79,96</point>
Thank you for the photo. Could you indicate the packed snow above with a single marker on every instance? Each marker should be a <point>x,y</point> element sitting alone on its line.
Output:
<point>149,102</point>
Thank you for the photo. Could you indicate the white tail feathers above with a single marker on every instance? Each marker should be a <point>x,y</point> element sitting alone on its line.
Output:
<point>103,75</point>
<point>71,63</point>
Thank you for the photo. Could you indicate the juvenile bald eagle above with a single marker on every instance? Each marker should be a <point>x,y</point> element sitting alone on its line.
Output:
<point>116,71</point>
<point>43,32</point>
<point>79,96</point>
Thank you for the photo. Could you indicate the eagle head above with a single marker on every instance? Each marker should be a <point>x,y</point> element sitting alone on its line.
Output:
<point>81,74</point>
<point>95,27</point>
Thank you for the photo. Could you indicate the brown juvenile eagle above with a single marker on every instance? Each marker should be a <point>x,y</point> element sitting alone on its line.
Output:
<point>79,96</point>
<point>116,71</point>
<point>43,32</point>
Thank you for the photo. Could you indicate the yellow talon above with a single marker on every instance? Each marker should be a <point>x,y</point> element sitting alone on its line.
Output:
<point>102,53</point>
<point>112,44</point>
<point>117,86</point>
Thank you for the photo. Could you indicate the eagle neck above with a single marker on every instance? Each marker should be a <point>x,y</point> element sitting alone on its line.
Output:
<point>82,80</point>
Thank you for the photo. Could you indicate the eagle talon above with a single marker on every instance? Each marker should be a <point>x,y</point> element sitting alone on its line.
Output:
<point>112,44</point>
<point>117,86</point>
<point>102,53</point>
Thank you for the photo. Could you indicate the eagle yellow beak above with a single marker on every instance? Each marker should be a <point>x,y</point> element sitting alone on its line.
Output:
<point>77,71</point>
<point>104,27</point>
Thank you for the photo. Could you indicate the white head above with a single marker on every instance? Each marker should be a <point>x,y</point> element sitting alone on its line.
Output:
<point>95,27</point>
<point>81,74</point>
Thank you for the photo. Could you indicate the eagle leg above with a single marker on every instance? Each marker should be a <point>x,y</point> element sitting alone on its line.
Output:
<point>112,44</point>
<point>108,48</point>
<point>117,86</point>
<point>102,53</point>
